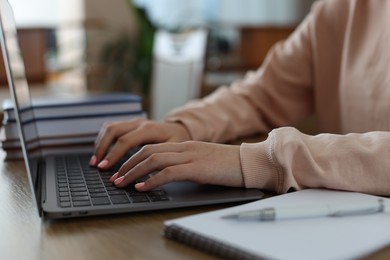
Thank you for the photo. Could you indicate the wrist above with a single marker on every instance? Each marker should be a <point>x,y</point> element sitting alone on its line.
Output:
<point>181,130</point>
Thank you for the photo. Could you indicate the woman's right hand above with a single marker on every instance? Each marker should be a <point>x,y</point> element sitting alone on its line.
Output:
<point>130,134</point>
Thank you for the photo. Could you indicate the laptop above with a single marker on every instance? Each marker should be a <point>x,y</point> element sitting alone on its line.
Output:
<point>64,185</point>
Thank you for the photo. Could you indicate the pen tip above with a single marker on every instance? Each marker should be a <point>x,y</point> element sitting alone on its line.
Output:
<point>231,216</point>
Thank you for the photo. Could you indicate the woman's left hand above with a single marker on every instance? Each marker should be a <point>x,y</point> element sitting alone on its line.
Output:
<point>194,161</point>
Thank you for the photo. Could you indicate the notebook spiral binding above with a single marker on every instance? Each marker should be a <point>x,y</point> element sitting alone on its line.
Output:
<point>207,245</point>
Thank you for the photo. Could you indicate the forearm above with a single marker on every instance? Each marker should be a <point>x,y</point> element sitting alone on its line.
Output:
<point>279,93</point>
<point>289,159</point>
<point>220,117</point>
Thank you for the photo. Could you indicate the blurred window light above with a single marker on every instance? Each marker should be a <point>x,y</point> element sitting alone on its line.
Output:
<point>35,13</point>
<point>192,13</point>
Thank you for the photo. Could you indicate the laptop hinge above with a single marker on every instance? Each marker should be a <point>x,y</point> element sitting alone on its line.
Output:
<point>41,185</point>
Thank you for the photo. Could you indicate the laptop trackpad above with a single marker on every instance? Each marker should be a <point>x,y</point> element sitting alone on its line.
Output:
<point>186,191</point>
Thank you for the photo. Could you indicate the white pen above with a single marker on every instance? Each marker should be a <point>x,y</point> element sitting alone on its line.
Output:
<point>328,210</point>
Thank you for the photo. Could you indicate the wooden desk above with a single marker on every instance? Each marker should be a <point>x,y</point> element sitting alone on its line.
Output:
<point>23,235</point>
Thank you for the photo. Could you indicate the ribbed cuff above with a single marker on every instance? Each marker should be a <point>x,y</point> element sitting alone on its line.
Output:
<point>257,166</point>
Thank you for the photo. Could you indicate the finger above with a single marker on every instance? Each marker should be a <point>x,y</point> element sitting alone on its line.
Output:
<point>112,130</point>
<point>109,133</point>
<point>130,140</point>
<point>155,162</point>
<point>145,152</point>
<point>138,157</point>
<point>118,150</point>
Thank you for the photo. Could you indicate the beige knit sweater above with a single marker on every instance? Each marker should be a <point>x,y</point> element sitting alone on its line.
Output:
<point>336,65</point>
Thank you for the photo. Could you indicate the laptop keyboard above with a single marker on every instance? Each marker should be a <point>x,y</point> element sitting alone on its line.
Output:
<point>80,185</point>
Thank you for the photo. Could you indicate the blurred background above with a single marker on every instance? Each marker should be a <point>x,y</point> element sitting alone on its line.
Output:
<point>167,51</point>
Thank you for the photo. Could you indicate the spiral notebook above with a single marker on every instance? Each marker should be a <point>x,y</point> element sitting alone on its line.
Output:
<point>348,237</point>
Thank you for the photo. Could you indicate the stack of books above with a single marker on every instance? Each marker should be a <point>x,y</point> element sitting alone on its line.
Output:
<point>65,124</point>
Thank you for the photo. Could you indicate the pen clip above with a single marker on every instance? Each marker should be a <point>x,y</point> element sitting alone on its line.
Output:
<point>343,213</point>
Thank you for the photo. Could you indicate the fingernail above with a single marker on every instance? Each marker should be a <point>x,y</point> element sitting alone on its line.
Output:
<point>139,185</point>
<point>119,180</point>
<point>103,164</point>
<point>113,177</point>
<point>92,161</point>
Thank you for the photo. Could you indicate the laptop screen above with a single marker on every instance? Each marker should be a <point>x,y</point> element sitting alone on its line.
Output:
<point>15,70</point>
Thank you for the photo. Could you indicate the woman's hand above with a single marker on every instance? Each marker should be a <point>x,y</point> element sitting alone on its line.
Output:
<point>199,162</point>
<point>127,135</point>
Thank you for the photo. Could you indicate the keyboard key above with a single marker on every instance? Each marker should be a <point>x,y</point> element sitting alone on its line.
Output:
<point>100,194</point>
<point>79,193</point>
<point>81,198</point>
<point>65,204</point>
<point>76,181</point>
<point>81,203</point>
<point>139,199</point>
<point>119,199</point>
<point>64,194</point>
<point>92,178</point>
<point>96,186</point>
<point>157,192</point>
<point>90,171</point>
<point>111,188</point>
<point>133,192</point>
<point>74,171</point>
<point>64,199</point>
<point>155,198</point>
<point>108,184</point>
<point>78,189</point>
<point>74,174</point>
<point>117,192</point>
<point>99,190</point>
<point>106,176</point>
<point>99,182</point>
<point>154,195</point>
<point>77,185</point>
<point>101,201</point>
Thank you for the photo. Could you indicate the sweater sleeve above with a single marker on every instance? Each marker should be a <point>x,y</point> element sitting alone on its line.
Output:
<point>279,93</point>
<point>289,159</point>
